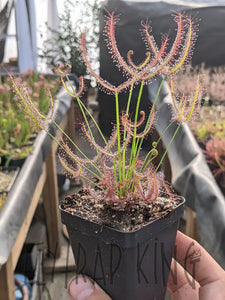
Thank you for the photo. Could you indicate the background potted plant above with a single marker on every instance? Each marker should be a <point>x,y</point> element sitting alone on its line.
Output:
<point>14,136</point>
<point>125,214</point>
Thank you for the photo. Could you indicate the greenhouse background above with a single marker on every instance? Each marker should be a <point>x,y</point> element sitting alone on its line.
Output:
<point>43,11</point>
<point>36,249</point>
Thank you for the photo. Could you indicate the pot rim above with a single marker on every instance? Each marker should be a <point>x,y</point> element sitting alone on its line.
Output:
<point>178,210</point>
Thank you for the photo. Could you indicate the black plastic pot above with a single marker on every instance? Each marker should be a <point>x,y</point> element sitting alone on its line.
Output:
<point>12,162</point>
<point>127,265</point>
<point>17,162</point>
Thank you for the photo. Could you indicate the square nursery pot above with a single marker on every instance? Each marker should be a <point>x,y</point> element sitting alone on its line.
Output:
<point>127,265</point>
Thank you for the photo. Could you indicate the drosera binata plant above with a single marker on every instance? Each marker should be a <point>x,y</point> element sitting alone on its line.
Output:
<point>115,175</point>
<point>121,213</point>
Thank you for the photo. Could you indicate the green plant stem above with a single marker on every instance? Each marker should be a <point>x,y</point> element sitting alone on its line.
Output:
<point>118,137</point>
<point>135,141</point>
<point>150,114</point>
<point>124,134</point>
<point>145,162</point>
<point>167,148</point>
<point>133,147</point>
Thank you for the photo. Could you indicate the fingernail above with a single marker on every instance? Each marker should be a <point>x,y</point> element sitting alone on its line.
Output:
<point>80,288</point>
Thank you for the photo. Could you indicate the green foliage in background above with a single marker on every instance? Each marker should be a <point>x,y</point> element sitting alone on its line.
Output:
<point>16,128</point>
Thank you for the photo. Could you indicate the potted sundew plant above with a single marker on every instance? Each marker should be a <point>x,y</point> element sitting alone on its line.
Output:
<point>122,224</point>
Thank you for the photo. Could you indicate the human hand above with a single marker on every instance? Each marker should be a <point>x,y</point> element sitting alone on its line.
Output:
<point>205,279</point>
<point>83,288</point>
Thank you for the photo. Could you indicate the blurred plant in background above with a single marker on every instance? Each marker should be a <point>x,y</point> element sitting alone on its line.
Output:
<point>215,156</point>
<point>209,127</point>
<point>211,122</point>
<point>16,128</point>
<point>212,79</point>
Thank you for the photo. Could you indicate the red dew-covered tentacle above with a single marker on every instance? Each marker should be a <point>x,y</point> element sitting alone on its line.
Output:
<point>141,65</point>
<point>125,85</point>
<point>127,123</point>
<point>148,38</point>
<point>187,47</point>
<point>180,110</point>
<point>111,20</point>
<point>121,63</point>
<point>149,192</point>
<point>152,187</point>
<point>128,126</point>
<point>62,69</point>
<point>73,93</point>
<point>146,174</point>
<point>153,190</point>
<point>76,158</point>
<point>175,50</point>
<point>105,151</point>
<point>71,170</point>
<point>169,59</point>
<point>112,139</point>
<point>103,83</point>
<point>149,125</point>
<point>98,78</point>
<point>156,66</point>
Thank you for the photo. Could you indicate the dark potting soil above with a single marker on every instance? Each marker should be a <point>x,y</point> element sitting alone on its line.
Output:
<point>125,217</point>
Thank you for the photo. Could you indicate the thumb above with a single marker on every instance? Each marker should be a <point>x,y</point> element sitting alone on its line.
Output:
<point>82,287</point>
